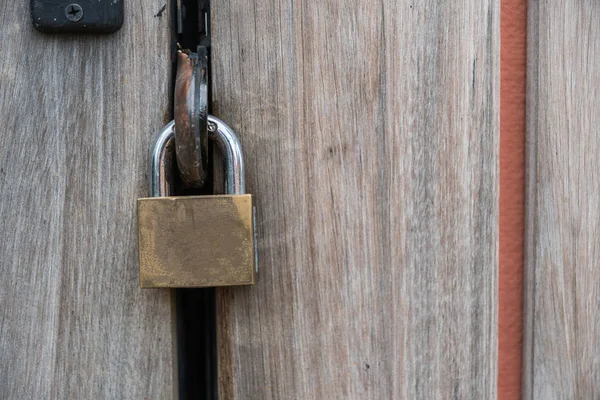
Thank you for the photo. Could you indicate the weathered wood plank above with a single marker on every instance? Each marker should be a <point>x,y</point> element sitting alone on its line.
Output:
<point>371,138</point>
<point>78,113</point>
<point>561,359</point>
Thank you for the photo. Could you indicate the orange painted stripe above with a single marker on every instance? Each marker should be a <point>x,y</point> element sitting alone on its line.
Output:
<point>513,63</point>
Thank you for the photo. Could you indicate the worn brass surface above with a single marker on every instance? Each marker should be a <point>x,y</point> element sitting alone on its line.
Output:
<point>196,241</point>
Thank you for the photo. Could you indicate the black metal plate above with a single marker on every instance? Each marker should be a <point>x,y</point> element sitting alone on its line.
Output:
<point>94,16</point>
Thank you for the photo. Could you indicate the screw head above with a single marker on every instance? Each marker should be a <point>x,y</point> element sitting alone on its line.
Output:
<point>74,12</point>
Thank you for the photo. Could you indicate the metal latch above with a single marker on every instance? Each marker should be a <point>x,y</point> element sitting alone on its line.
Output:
<point>195,241</point>
<point>93,16</point>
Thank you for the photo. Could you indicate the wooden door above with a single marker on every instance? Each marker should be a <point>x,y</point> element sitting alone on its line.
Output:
<point>370,132</point>
<point>562,288</point>
<point>78,113</point>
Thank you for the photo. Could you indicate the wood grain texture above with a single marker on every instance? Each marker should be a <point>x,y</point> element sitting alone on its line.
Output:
<point>78,113</point>
<point>371,136</point>
<point>562,359</point>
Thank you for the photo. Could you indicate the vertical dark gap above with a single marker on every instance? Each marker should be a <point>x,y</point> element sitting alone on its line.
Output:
<point>196,343</point>
<point>196,308</point>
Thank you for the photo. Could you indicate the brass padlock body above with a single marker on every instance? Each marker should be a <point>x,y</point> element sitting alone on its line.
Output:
<point>196,241</point>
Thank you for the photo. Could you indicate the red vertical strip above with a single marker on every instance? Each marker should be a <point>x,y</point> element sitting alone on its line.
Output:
<point>513,63</point>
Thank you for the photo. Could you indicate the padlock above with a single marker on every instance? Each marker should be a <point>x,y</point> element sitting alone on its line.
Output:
<point>197,241</point>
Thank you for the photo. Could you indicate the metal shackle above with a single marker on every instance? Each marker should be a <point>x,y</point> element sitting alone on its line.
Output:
<point>163,152</point>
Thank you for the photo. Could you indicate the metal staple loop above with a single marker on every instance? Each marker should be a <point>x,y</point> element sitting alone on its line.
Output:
<point>191,112</point>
